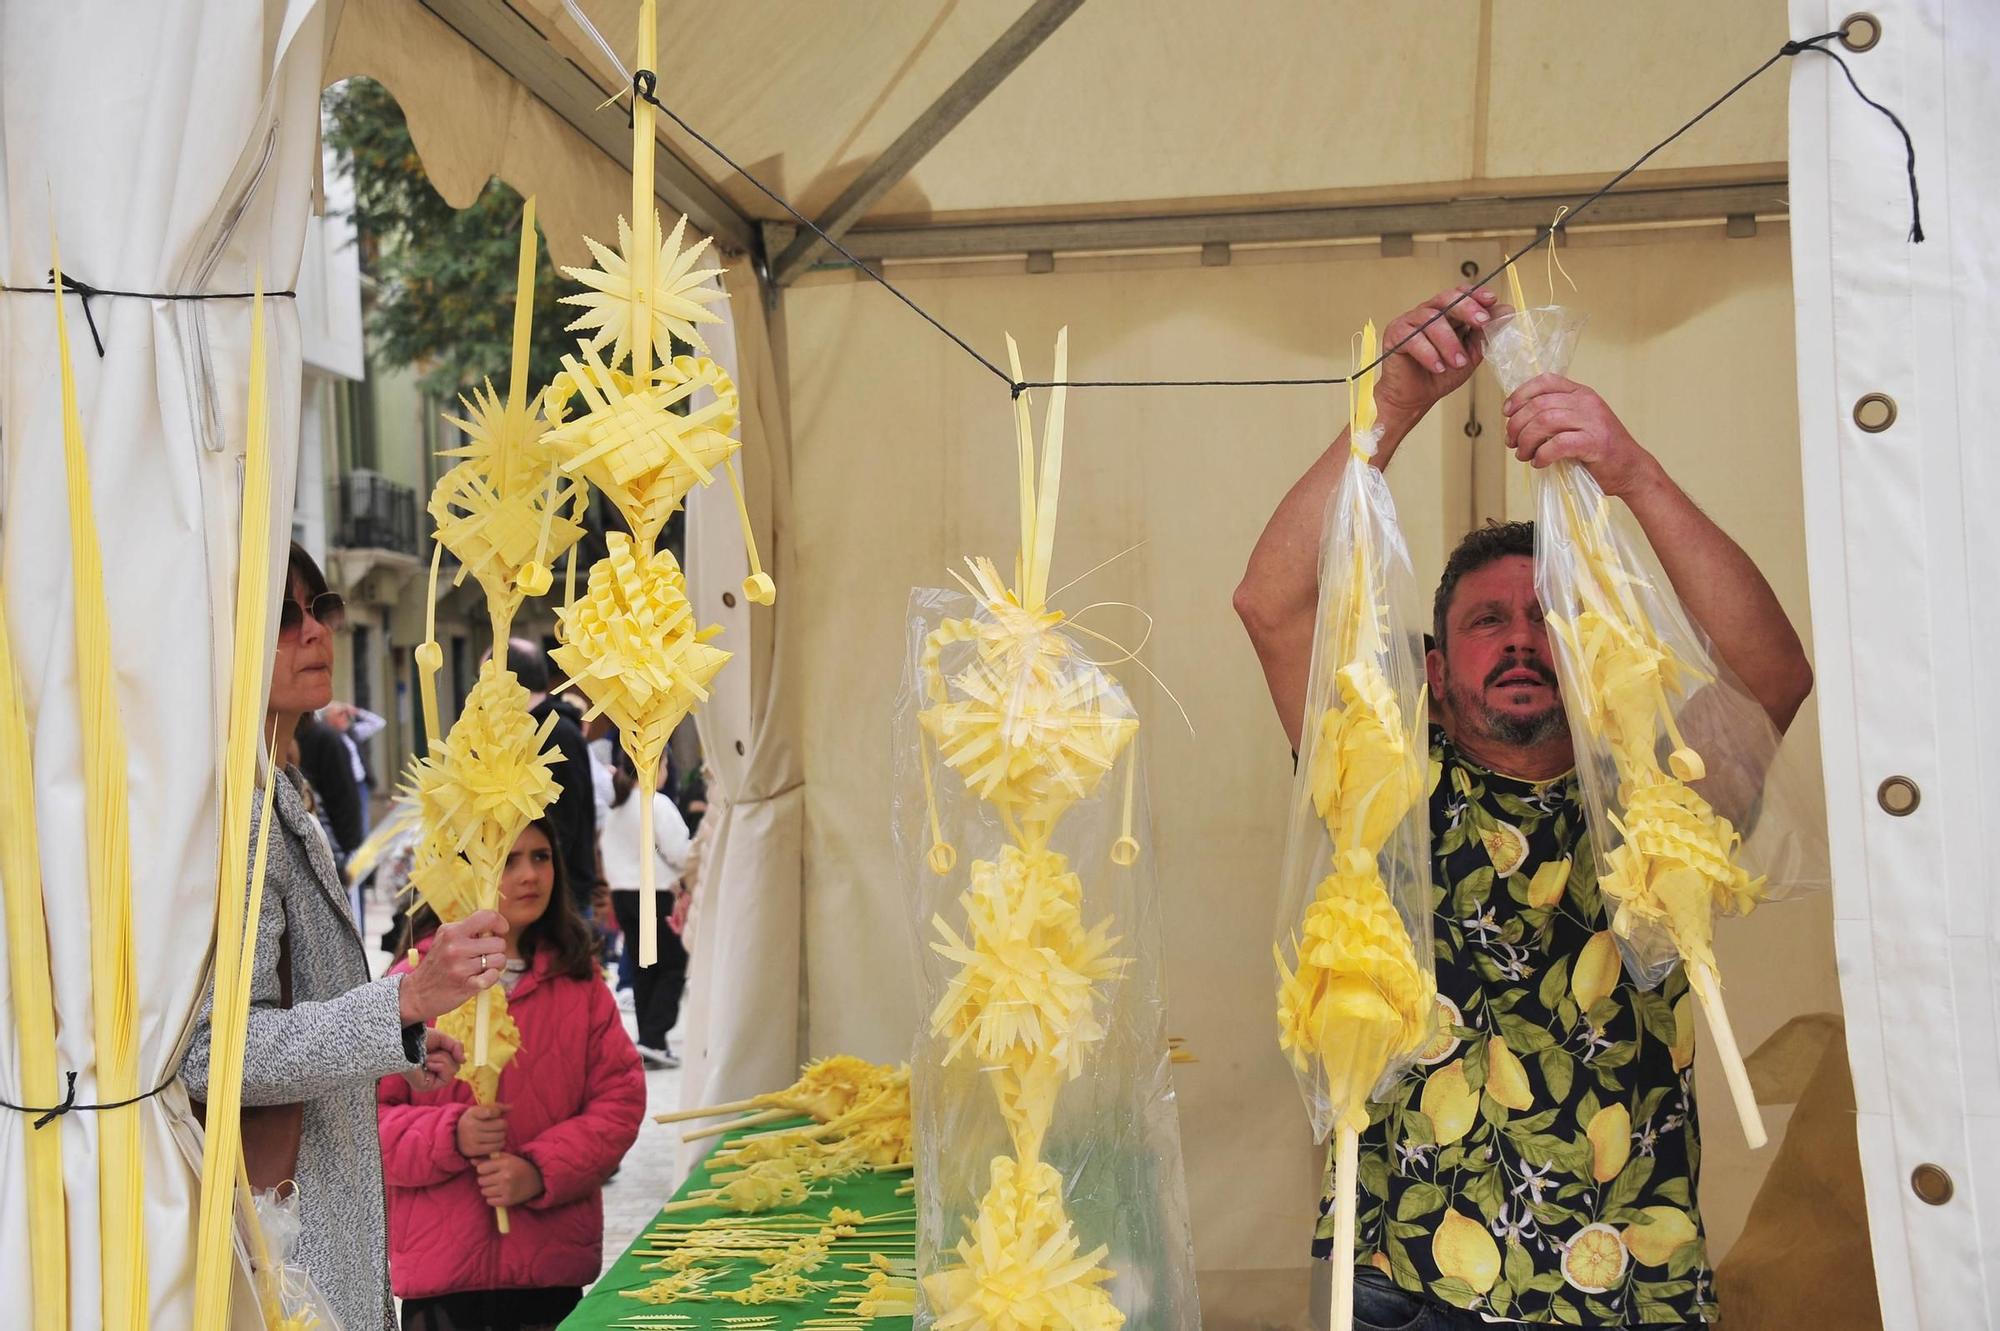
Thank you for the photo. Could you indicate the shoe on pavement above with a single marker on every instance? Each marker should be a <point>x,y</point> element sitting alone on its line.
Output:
<point>654,1057</point>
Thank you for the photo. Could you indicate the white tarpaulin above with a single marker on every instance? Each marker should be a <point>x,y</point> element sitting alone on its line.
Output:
<point>1906,624</point>
<point>173,145</point>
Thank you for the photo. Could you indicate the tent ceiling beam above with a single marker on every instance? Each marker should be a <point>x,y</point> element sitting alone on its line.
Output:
<point>1395,222</point>
<point>514,44</point>
<point>897,160</point>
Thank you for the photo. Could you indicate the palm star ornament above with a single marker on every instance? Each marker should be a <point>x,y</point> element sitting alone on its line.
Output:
<point>680,297</point>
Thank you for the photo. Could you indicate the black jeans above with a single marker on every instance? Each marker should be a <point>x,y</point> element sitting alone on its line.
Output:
<point>492,1309</point>
<point>656,989</point>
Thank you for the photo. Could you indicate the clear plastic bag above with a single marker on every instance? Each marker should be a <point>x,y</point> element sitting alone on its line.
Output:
<point>1357,839</point>
<point>1692,809</point>
<point>1049,1184</point>
<point>1357,979</point>
<point>287,1295</point>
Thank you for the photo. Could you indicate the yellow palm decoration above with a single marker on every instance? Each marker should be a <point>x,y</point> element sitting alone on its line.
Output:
<point>1020,1266</point>
<point>629,441</point>
<point>501,510</point>
<point>1676,864</point>
<point>632,645</point>
<point>1360,1000</point>
<point>681,293</point>
<point>1031,726</point>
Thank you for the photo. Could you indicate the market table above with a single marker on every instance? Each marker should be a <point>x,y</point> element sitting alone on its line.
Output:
<point>606,1308</point>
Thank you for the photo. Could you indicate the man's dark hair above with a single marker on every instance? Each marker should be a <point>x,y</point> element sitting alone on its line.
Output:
<point>1481,546</point>
<point>530,665</point>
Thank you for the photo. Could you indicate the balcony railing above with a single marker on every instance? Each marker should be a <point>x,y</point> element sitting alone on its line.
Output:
<point>377,514</point>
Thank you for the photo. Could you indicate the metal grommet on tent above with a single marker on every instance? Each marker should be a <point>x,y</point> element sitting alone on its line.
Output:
<point>729,600</point>
<point>1469,269</point>
<point>1860,31</point>
<point>1875,412</point>
<point>1931,1184</point>
<point>1898,796</point>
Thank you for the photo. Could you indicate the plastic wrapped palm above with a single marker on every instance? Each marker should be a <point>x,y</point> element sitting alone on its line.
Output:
<point>1357,993</point>
<point>1636,674</point>
<point>1032,981</point>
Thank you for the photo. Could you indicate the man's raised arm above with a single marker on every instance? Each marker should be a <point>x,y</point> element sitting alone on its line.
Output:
<point>1280,588</point>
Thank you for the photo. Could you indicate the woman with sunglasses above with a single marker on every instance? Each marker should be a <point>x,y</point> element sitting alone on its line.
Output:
<point>321,1031</point>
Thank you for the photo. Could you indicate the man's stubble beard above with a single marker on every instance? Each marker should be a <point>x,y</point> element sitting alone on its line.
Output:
<point>1522,732</point>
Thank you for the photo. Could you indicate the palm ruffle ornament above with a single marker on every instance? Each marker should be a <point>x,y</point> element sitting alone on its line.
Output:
<point>1020,1265</point>
<point>1023,1000</point>
<point>1668,862</point>
<point>1357,995</point>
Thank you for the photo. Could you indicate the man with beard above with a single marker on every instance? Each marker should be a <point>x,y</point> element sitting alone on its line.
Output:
<point>1539,1163</point>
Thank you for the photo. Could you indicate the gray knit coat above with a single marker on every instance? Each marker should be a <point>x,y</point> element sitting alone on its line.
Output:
<point>341,1035</point>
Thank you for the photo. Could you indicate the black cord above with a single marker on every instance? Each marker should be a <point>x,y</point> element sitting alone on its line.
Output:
<point>85,291</point>
<point>1916,235</point>
<point>70,1106</point>
<point>645,84</point>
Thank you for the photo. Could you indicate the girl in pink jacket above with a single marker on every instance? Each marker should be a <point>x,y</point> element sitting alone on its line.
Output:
<point>568,1109</point>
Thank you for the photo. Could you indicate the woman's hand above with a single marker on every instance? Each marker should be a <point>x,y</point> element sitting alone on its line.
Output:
<point>507,1180</point>
<point>482,1130</point>
<point>443,1056</point>
<point>465,957</point>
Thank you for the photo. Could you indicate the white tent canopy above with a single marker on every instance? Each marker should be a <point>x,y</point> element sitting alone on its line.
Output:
<point>1208,192</point>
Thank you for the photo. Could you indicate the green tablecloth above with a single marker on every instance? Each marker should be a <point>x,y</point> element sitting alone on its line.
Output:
<point>605,1305</point>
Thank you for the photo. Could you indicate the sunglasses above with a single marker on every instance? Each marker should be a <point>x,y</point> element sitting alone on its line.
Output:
<point>329,609</point>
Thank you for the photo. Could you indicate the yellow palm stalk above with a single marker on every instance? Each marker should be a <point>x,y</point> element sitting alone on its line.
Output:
<point>114,983</point>
<point>825,1089</point>
<point>1676,864</point>
<point>235,929</point>
<point>1360,1001</point>
<point>503,1041</point>
<point>31,988</point>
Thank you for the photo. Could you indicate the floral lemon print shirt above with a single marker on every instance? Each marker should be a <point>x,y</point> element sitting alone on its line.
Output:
<point>1538,1163</point>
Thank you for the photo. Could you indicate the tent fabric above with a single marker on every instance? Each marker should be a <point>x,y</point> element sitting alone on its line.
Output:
<point>902,463</point>
<point>745,971</point>
<point>177,158</point>
<point>1188,106</point>
<point>1906,625</point>
<point>471,122</point>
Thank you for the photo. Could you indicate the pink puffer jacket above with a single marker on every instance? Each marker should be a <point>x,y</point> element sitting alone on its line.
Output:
<point>577,1094</point>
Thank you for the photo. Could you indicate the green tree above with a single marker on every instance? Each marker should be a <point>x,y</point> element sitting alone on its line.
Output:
<point>444,277</point>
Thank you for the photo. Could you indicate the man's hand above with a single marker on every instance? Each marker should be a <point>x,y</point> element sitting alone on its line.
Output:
<point>442,1058</point>
<point>1439,360</point>
<point>1550,419</point>
<point>482,1130</point>
<point>464,958</point>
<point>507,1180</point>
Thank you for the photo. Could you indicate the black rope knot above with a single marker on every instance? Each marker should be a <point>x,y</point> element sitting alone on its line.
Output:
<point>69,1103</point>
<point>84,292</point>
<point>645,84</point>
